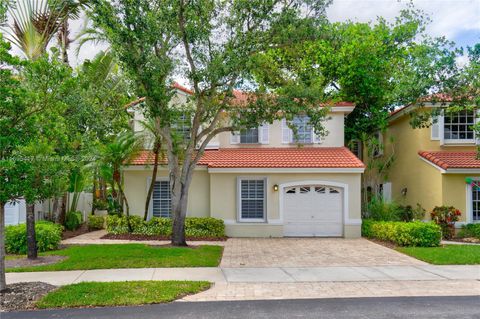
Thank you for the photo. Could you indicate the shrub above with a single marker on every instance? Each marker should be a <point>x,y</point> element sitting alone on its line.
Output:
<point>204,227</point>
<point>48,236</point>
<point>445,217</point>
<point>73,220</point>
<point>408,213</point>
<point>96,222</point>
<point>160,226</point>
<point>378,209</point>
<point>470,230</point>
<point>402,233</point>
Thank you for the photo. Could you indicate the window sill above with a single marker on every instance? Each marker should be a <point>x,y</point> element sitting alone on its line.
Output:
<point>459,142</point>
<point>251,221</point>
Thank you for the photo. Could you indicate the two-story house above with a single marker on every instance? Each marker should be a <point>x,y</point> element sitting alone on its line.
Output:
<point>436,165</point>
<point>262,184</point>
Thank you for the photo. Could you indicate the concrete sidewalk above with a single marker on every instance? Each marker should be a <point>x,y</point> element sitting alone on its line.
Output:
<point>259,275</point>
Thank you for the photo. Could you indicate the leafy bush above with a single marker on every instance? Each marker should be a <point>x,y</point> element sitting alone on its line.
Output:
<point>445,217</point>
<point>100,204</point>
<point>408,213</point>
<point>73,220</point>
<point>96,222</point>
<point>160,226</point>
<point>48,237</point>
<point>470,230</point>
<point>402,233</point>
<point>378,209</point>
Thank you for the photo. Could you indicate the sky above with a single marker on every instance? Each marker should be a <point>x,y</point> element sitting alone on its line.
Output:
<point>457,20</point>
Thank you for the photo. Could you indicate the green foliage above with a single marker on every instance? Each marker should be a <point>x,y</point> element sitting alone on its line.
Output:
<point>104,294</point>
<point>73,220</point>
<point>100,204</point>
<point>403,234</point>
<point>96,222</point>
<point>470,230</point>
<point>48,236</point>
<point>380,210</point>
<point>195,227</point>
<point>445,217</point>
<point>83,257</point>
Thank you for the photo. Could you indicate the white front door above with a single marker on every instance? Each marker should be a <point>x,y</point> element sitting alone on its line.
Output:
<point>313,210</point>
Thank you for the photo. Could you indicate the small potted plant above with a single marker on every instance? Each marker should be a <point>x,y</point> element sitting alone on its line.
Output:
<point>445,217</point>
<point>101,207</point>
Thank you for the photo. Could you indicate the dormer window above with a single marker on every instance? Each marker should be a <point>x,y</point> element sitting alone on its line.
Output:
<point>459,126</point>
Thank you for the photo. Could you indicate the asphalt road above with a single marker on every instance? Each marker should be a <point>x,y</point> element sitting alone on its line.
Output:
<point>365,308</point>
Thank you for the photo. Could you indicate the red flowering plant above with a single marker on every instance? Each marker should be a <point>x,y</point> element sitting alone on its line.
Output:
<point>445,217</point>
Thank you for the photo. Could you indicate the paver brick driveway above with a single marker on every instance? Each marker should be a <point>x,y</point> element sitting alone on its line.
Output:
<point>309,252</point>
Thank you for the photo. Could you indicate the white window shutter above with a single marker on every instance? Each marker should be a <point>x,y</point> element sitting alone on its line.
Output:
<point>235,137</point>
<point>317,139</point>
<point>263,137</point>
<point>435,129</point>
<point>287,134</point>
<point>387,192</point>
<point>477,120</point>
<point>441,127</point>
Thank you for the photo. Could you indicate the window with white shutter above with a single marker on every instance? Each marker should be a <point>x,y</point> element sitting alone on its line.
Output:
<point>162,199</point>
<point>263,133</point>
<point>286,133</point>
<point>252,199</point>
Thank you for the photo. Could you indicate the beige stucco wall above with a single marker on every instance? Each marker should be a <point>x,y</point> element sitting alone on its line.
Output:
<point>425,184</point>
<point>223,192</point>
<point>135,182</point>
<point>334,126</point>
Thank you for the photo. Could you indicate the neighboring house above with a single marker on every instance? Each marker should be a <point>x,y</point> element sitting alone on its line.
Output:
<point>436,165</point>
<point>261,183</point>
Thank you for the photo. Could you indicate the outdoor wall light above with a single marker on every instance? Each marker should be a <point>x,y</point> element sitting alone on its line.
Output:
<point>404,191</point>
<point>275,187</point>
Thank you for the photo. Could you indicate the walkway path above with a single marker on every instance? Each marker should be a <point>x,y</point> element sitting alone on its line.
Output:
<point>288,283</point>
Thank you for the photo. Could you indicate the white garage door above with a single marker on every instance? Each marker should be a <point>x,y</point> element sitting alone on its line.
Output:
<point>313,210</point>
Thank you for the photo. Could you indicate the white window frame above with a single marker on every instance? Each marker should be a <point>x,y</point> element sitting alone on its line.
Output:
<point>469,212</point>
<point>288,137</point>
<point>445,141</point>
<point>247,130</point>
<point>239,199</point>
<point>164,179</point>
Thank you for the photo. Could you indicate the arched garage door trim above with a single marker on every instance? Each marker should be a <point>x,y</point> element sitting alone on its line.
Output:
<point>314,182</point>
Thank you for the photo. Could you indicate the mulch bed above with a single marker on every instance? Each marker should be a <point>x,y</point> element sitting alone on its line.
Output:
<point>383,243</point>
<point>158,237</point>
<point>73,233</point>
<point>39,261</point>
<point>22,296</point>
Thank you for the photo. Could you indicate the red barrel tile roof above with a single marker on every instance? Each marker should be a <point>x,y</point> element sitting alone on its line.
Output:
<point>299,157</point>
<point>446,159</point>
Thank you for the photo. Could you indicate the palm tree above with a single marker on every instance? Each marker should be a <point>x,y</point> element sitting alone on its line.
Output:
<point>36,22</point>
<point>153,127</point>
<point>117,154</point>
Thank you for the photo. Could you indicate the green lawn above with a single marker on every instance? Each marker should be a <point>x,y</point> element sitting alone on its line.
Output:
<point>445,255</point>
<point>91,294</point>
<point>129,256</point>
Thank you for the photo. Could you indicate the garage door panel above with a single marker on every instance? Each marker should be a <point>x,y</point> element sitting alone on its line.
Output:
<point>313,210</point>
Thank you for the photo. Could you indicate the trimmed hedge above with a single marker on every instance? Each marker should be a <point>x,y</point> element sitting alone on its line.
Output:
<point>470,230</point>
<point>402,233</point>
<point>161,226</point>
<point>73,220</point>
<point>48,237</point>
<point>96,222</point>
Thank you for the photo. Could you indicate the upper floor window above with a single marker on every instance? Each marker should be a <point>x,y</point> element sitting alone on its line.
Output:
<point>183,126</point>
<point>304,134</point>
<point>377,144</point>
<point>249,136</point>
<point>459,126</point>
<point>304,131</point>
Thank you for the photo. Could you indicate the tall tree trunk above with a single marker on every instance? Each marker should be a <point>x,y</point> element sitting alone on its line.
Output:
<point>31,238</point>
<point>63,210</point>
<point>127,208</point>
<point>179,209</point>
<point>63,34</point>
<point>3,282</point>
<point>152,183</point>
<point>55,208</point>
